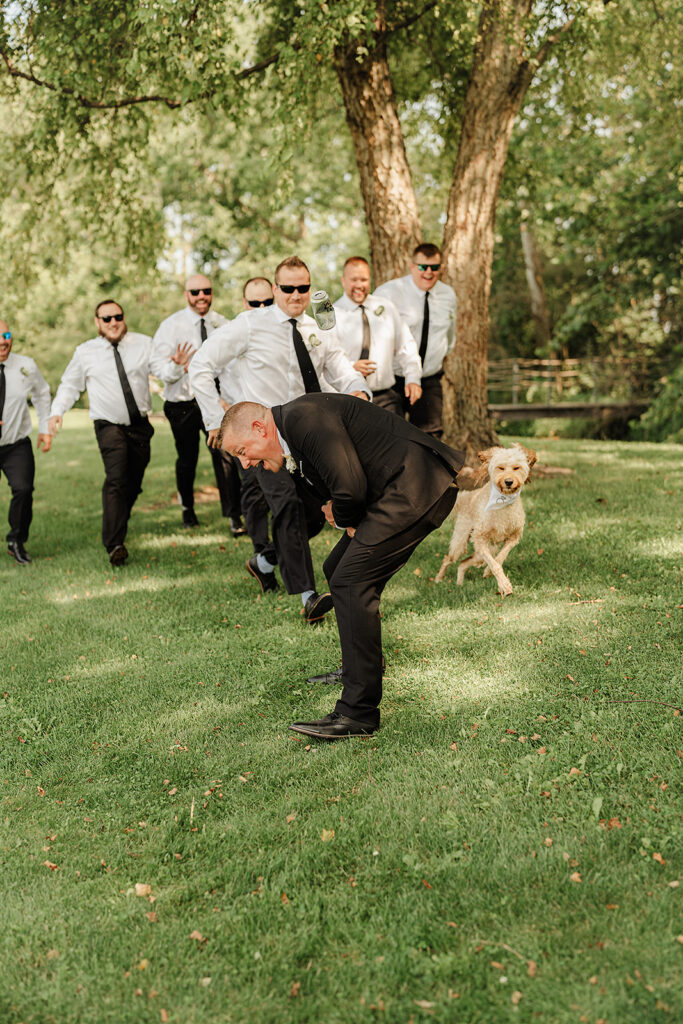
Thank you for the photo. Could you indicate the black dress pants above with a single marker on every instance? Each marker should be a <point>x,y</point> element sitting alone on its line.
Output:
<point>357,574</point>
<point>389,398</point>
<point>295,516</point>
<point>426,413</point>
<point>186,423</point>
<point>255,511</point>
<point>18,465</point>
<point>125,453</point>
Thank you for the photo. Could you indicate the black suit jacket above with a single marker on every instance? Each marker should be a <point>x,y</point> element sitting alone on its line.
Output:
<point>381,472</point>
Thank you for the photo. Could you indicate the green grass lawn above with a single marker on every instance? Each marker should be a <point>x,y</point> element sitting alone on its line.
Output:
<point>506,849</point>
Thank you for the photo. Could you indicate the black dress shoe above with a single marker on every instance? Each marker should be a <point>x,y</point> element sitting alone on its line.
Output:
<point>334,727</point>
<point>266,580</point>
<point>334,677</point>
<point>189,518</point>
<point>237,527</point>
<point>317,606</point>
<point>118,555</point>
<point>18,552</point>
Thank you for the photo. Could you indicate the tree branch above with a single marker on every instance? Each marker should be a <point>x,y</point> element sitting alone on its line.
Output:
<point>542,53</point>
<point>407,22</point>
<point>127,101</point>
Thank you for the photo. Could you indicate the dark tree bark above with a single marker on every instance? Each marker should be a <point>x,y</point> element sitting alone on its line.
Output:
<point>386,185</point>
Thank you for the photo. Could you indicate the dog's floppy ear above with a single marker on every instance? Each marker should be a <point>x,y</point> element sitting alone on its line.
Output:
<point>486,455</point>
<point>530,455</point>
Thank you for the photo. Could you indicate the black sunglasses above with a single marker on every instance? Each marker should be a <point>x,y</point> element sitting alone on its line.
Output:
<point>115,316</point>
<point>255,303</point>
<point>289,288</point>
<point>200,291</point>
<point>428,266</point>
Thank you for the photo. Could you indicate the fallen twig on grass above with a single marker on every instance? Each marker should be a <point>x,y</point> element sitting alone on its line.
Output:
<point>500,945</point>
<point>645,700</point>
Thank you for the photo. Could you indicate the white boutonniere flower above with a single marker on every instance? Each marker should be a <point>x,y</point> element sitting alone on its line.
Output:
<point>214,322</point>
<point>24,371</point>
<point>314,341</point>
<point>290,463</point>
<point>379,310</point>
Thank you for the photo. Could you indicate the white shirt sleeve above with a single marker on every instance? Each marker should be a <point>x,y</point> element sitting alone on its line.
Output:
<point>225,344</point>
<point>39,390</point>
<point>71,386</point>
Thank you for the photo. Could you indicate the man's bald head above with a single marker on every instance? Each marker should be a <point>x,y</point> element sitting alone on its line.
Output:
<point>198,293</point>
<point>248,432</point>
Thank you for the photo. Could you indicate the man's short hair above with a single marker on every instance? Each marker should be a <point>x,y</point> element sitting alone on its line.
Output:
<point>427,249</point>
<point>107,302</point>
<point>253,279</point>
<point>356,259</point>
<point>239,417</point>
<point>291,263</point>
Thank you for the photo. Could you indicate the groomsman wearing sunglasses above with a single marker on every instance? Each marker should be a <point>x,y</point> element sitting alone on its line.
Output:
<point>280,354</point>
<point>114,368</point>
<point>193,325</point>
<point>427,305</point>
<point>19,379</point>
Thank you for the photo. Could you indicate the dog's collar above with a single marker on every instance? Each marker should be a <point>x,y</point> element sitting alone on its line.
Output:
<point>498,500</point>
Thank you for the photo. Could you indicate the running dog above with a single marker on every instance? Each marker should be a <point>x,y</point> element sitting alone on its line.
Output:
<point>490,516</point>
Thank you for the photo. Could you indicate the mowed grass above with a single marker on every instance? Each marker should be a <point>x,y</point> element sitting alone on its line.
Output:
<point>506,849</point>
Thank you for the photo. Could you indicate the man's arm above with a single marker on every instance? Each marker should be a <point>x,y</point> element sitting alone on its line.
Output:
<point>39,390</point>
<point>322,440</point>
<point>340,373</point>
<point>71,386</point>
<point>224,344</point>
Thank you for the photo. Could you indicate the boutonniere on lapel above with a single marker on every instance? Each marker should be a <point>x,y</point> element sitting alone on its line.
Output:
<point>379,310</point>
<point>24,371</point>
<point>214,322</point>
<point>314,340</point>
<point>290,463</point>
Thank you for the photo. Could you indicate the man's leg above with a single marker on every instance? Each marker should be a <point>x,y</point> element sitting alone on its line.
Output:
<point>255,511</point>
<point>138,438</point>
<point>227,481</point>
<point>290,530</point>
<point>357,575</point>
<point>390,399</point>
<point>18,465</point>
<point>113,445</point>
<point>426,413</point>
<point>186,422</point>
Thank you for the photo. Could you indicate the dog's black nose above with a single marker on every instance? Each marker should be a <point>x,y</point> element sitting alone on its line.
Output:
<point>509,483</point>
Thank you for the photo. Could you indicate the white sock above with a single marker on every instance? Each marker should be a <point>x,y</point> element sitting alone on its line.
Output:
<point>263,564</point>
<point>305,596</point>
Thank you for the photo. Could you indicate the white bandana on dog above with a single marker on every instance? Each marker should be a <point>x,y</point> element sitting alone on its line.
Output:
<point>498,500</point>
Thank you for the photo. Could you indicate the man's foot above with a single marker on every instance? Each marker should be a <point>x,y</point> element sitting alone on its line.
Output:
<point>189,518</point>
<point>317,606</point>
<point>237,528</point>
<point>266,580</point>
<point>334,727</point>
<point>18,552</point>
<point>118,555</point>
<point>334,676</point>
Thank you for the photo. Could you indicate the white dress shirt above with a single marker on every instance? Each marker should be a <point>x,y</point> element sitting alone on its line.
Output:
<point>23,378</point>
<point>391,343</point>
<point>260,341</point>
<point>175,330</point>
<point>93,367</point>
<point>410,301</point>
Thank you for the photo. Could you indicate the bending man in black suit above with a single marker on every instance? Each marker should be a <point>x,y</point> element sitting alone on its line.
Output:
<point>386,484</point>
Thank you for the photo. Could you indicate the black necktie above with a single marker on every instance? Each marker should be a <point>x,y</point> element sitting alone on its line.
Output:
<point>365,350</point>
<point>425,329</point>
<point>131,405</point>
<point>310,377</point>
<point>3,386</point>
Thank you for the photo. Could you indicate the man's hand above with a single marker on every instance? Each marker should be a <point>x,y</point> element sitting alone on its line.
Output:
<point>361,394</point>
<point>212,439</point>
<point>327,512</point>
<point>224,405</point>
<point>54,424</point>
<point>365,366</point>
<point>44,442</point>
<point>183,354</point>
<point>351,530</point>
<point>413,392</point>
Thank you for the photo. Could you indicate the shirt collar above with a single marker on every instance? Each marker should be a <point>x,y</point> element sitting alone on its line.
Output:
<point>283,443</point>
<point>281,317</point>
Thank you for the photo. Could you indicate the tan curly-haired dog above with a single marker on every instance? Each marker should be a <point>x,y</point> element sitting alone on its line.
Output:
<point>491,515</point>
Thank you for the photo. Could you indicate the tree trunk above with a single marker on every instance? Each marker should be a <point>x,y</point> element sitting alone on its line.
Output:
<point>391,211</point>
<point>534,276</point>
<point>499,80</point>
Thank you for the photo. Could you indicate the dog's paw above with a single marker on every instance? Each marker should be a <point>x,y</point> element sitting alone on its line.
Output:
<point>487,573</point>
<point>505,587</point>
